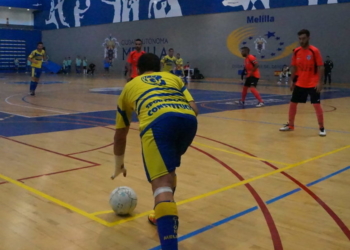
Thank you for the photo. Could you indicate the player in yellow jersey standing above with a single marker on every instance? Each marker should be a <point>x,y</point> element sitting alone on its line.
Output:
<point>167,115</point>
<point>179,68</point>
<point>169,61</point>
<point>36,58</point>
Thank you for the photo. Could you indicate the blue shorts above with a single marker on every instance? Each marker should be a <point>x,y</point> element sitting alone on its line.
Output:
<point>179,72</point>
<point>36,72</point>
<point>165,142</point>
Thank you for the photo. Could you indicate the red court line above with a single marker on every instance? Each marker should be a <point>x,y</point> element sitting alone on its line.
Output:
<point>276,239</point>
<point>86,122</point>
<point>93,164</point>
<point>58,172</point>
<point>331,213</point>
<point>105,146</point>
<point>270,222</point>
<point>47,150</point>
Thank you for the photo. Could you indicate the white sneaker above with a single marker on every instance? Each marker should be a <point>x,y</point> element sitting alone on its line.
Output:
<point>322,132</point>
<point>260,104</point>
<point>286,127</point>
<point>279,82</point>
<point>239,102</point>
<point>286,83</point>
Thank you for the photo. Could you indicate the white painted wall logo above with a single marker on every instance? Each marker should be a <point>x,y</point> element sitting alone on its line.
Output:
<point>123,9</point>
<point>52,16</point>
<point>248,4</point>
<point>111,45</point>
<point>260,44</point>
<point>261,4</point>
<point>78,12</point>
<point>159,8</point>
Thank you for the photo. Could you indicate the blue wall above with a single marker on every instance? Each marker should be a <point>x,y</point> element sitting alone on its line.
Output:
<point>93,12</point>
<point>12,42</point>
<point>26,4</point>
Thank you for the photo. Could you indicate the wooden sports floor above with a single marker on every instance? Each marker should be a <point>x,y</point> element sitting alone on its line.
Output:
<point>243,185</point>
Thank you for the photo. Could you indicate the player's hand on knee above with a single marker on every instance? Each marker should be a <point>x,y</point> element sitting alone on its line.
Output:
<point>119,167</point>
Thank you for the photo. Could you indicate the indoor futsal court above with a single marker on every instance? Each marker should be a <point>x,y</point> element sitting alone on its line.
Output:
<point>242,184</point>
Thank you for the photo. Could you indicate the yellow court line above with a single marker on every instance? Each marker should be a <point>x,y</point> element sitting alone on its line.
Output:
<point>243,155</point>
<point>54,200</point>
<point>111,224</point>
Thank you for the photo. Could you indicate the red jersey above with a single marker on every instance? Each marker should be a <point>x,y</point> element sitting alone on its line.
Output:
<point>306,62</point>
<point>133,60</point>
<point>249,63</point>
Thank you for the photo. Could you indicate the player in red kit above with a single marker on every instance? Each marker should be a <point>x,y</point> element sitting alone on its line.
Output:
<point>307,62</point>
<point>133,60</point>
<point>251,66</point>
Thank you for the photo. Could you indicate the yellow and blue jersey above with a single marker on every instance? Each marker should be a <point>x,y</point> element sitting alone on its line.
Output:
<point>169,63</point>
<point>153,97</point>
<point>179,64</point>
<point>38,57</point>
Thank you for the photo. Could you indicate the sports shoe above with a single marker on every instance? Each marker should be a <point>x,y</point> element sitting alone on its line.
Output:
<point>322,132</point>
<point>286,127</point>
<point>260,104</point>
<point>239,102</point>
<point>32,93</point>
<point>279,82</point>
<point>152,219</point>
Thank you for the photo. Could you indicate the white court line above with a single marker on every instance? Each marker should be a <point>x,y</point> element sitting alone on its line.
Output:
<point>62,113</point>
<point>24,106</point>
<point>236,98</point>
<point>73,113</point>
<point>15,114</point>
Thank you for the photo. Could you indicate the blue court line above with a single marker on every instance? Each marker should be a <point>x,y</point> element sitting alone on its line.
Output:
<point>272,123</point>
<point>252,209</point>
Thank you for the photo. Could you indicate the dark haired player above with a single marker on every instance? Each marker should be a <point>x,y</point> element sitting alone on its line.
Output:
<point>36,58</point>
<point>167,115</point>
<point>251,66</point>
<point>308,64</point>
<point>133,60</point>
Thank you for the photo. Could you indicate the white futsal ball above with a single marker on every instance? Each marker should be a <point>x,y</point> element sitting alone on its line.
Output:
<point>123,200</point>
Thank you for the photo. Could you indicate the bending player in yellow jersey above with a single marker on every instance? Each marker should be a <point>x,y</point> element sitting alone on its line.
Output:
<point>36,58</point>
<point>169,61</point>
<point>167,115</point>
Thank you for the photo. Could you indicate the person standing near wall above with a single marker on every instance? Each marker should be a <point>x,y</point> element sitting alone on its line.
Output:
<point>179,68</point>
<point>253,74</point>
<point>36,58</point>
<point>69,64</point>
<point>28,66</point>
<point>133,59</point>
<point>16,63</point>
<point>307,62</point>
<point>85,65</point>
<point>106,65</point>
<point>78,65</point>
<point>169,61</point>
<point>65,65</point>
<point>328,66</point>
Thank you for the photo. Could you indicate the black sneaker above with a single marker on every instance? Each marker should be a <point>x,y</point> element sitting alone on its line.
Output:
<point>32,93</point>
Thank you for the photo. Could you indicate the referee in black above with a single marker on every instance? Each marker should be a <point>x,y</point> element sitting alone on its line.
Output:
<point>328,66</point>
